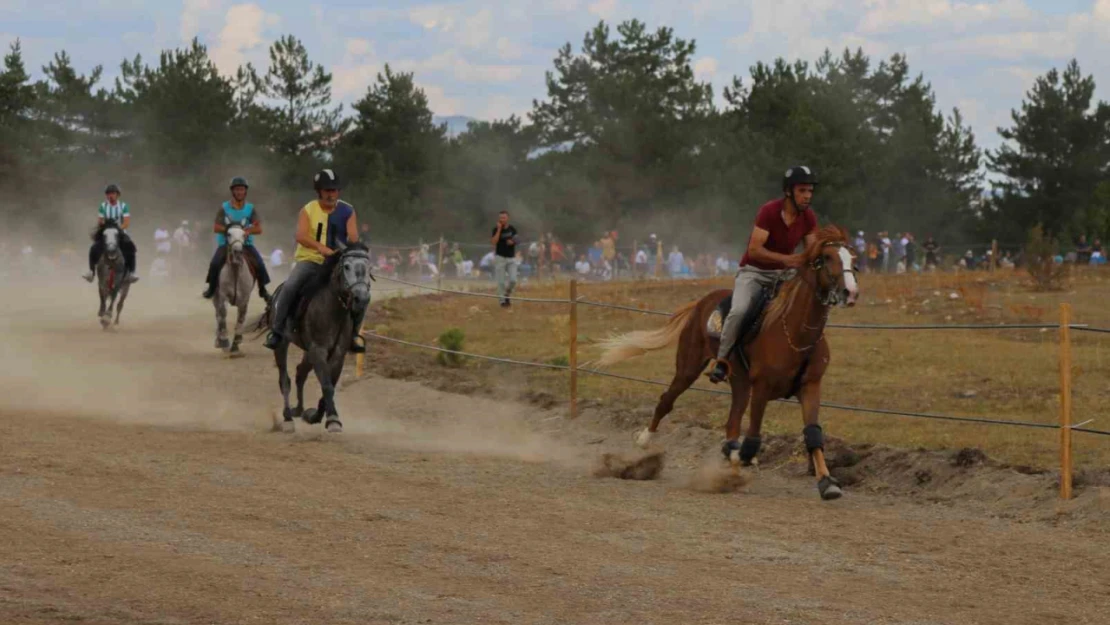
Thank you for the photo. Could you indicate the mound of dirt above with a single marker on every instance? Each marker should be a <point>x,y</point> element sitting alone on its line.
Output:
<point>645,466</point>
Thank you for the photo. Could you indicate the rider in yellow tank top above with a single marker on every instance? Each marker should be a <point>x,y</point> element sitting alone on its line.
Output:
<point>322,225</point>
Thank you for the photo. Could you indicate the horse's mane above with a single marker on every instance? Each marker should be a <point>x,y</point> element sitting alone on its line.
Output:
<point>781,304</point>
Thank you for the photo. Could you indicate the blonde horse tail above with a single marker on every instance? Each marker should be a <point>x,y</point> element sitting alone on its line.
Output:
<point>626,346</point>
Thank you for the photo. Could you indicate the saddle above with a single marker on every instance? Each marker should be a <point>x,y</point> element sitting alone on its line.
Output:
<point>752,322</point>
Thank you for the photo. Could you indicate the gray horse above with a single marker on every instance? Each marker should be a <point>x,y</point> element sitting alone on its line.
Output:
<point>322,325</point>
<point>236,284</point>
<point>111,275</point>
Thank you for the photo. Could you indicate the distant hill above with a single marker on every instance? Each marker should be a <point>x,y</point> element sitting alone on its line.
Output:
<point>456,124</point>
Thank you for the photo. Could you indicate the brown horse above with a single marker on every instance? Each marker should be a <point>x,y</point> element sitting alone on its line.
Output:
<point>787,357</point>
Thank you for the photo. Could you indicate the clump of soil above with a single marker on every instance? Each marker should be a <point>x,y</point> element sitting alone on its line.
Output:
<point>646,466</point>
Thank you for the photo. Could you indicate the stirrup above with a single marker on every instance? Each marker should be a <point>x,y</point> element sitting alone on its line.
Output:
<point>273,340</point>
<point>714,377</point>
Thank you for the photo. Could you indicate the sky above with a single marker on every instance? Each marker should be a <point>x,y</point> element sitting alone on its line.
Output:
<point>487,59</point>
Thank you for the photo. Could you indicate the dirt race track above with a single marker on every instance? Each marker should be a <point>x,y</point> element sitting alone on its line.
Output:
<point>140,483</point>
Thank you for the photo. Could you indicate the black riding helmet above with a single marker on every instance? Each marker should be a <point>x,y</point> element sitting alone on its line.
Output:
<point>112,188</point>
<point>239,181</point>
<point>799,174</point>
<point>325,179</point>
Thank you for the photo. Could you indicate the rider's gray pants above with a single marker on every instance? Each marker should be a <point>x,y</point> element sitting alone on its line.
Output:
<point>302,273</point>
<point>749,281</point>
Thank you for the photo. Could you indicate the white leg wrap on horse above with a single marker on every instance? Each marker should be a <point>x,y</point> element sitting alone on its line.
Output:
<point>644,439</point>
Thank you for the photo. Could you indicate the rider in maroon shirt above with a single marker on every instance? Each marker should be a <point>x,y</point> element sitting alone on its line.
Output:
<point>780,226</point>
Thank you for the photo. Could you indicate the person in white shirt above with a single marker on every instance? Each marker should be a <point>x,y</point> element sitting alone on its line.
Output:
<point>277,257</point>
<point>162,241</point>
<point>582,266</point>
<point>181,236</point>
<point>675,262</point>
<point>486,264</point>
<point>722,265</point>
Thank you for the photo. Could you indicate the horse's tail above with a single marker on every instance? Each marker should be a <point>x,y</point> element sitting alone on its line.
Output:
<point>625,346</point>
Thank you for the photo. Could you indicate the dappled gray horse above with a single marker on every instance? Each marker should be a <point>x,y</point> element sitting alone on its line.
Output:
<point>111,275</point>
<point>236,284</point>
<point>322,324</point>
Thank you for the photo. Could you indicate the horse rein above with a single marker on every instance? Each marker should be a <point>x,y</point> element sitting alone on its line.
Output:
<point>827,301</point>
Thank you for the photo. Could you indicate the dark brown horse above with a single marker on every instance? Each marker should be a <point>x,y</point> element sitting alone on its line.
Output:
<point>787,357</point>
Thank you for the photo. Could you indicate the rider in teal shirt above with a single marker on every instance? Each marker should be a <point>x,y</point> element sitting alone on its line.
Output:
<point>237,211</point>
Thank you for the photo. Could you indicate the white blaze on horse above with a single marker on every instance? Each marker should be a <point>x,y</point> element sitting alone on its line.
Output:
<point>235,286</point>
<point>111,275</point>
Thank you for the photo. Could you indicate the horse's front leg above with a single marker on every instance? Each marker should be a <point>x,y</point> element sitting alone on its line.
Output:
<point>323,369</point>
<point>122,298</point>
<point>221,322</point>
<point>240,319</point>
<point>810,396</point>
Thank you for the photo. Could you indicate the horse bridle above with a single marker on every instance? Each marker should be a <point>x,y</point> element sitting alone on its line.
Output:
<point>344,296</point>
<point>830,297</point>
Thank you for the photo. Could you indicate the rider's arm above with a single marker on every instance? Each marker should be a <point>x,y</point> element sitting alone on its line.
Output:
<point>256,223</point>
<point>305,238</point>
<point>496,234</point>
<point>126,221</point>
<point>352,228</point>
<point>757,252</point>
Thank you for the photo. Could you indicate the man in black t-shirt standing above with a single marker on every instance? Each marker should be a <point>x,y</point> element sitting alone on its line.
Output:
<point>504,261</point>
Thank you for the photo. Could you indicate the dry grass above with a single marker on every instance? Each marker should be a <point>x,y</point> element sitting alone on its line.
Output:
<point>1011,374</point>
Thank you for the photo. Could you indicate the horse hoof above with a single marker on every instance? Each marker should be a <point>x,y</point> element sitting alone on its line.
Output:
<point>829,488</point>
<point>334,426</point>
<point>288,427</point>
<point>312,416</point>
<point>223,343</point>
<point>297,412</point>
<point>731,451</point>
<point>644,439</point>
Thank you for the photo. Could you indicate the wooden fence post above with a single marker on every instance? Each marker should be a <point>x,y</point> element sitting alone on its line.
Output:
<point>658,257</point>
<point>439,264</point>
<point>994,254</point>
<point>573,355</point>
<point>1065,401</point>
<point>360,359</point>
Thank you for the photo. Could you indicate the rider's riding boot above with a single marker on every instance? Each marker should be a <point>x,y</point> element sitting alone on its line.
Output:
<point>210,292</point>
<point>132,277</point>
<point>720,372</point>
<point>358,346</point>
<point>264,294</point>
<point>88,276</point>
<point>273,340</point>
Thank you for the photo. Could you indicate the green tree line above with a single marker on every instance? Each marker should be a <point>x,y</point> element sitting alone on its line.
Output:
<point>626,136</point>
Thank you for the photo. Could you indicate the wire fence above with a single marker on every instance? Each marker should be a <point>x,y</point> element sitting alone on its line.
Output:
<point>881,411</point>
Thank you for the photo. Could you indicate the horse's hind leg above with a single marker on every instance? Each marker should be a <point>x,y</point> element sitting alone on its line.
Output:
<point>281,355</point>
<point>684,378</point>
<point>733,450</point>
<point>323,374</point>
<point>810,397</point>
<point>303,369</point>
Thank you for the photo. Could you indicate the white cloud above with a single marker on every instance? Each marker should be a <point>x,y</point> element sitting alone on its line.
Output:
<point>1009,46</point>
<point>359,47</point>
<point>890,15</point>
<point>705,68</point>
<point>433,17</point>
<point>243,28</point>
<point>439,102</point>
<point>477,29</point>
<point>192,12</point>
<point>603,8</point>
<point>508,50</point>
<point>501,107</point>
<point>460,68</point>
<point>1101,10</point>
